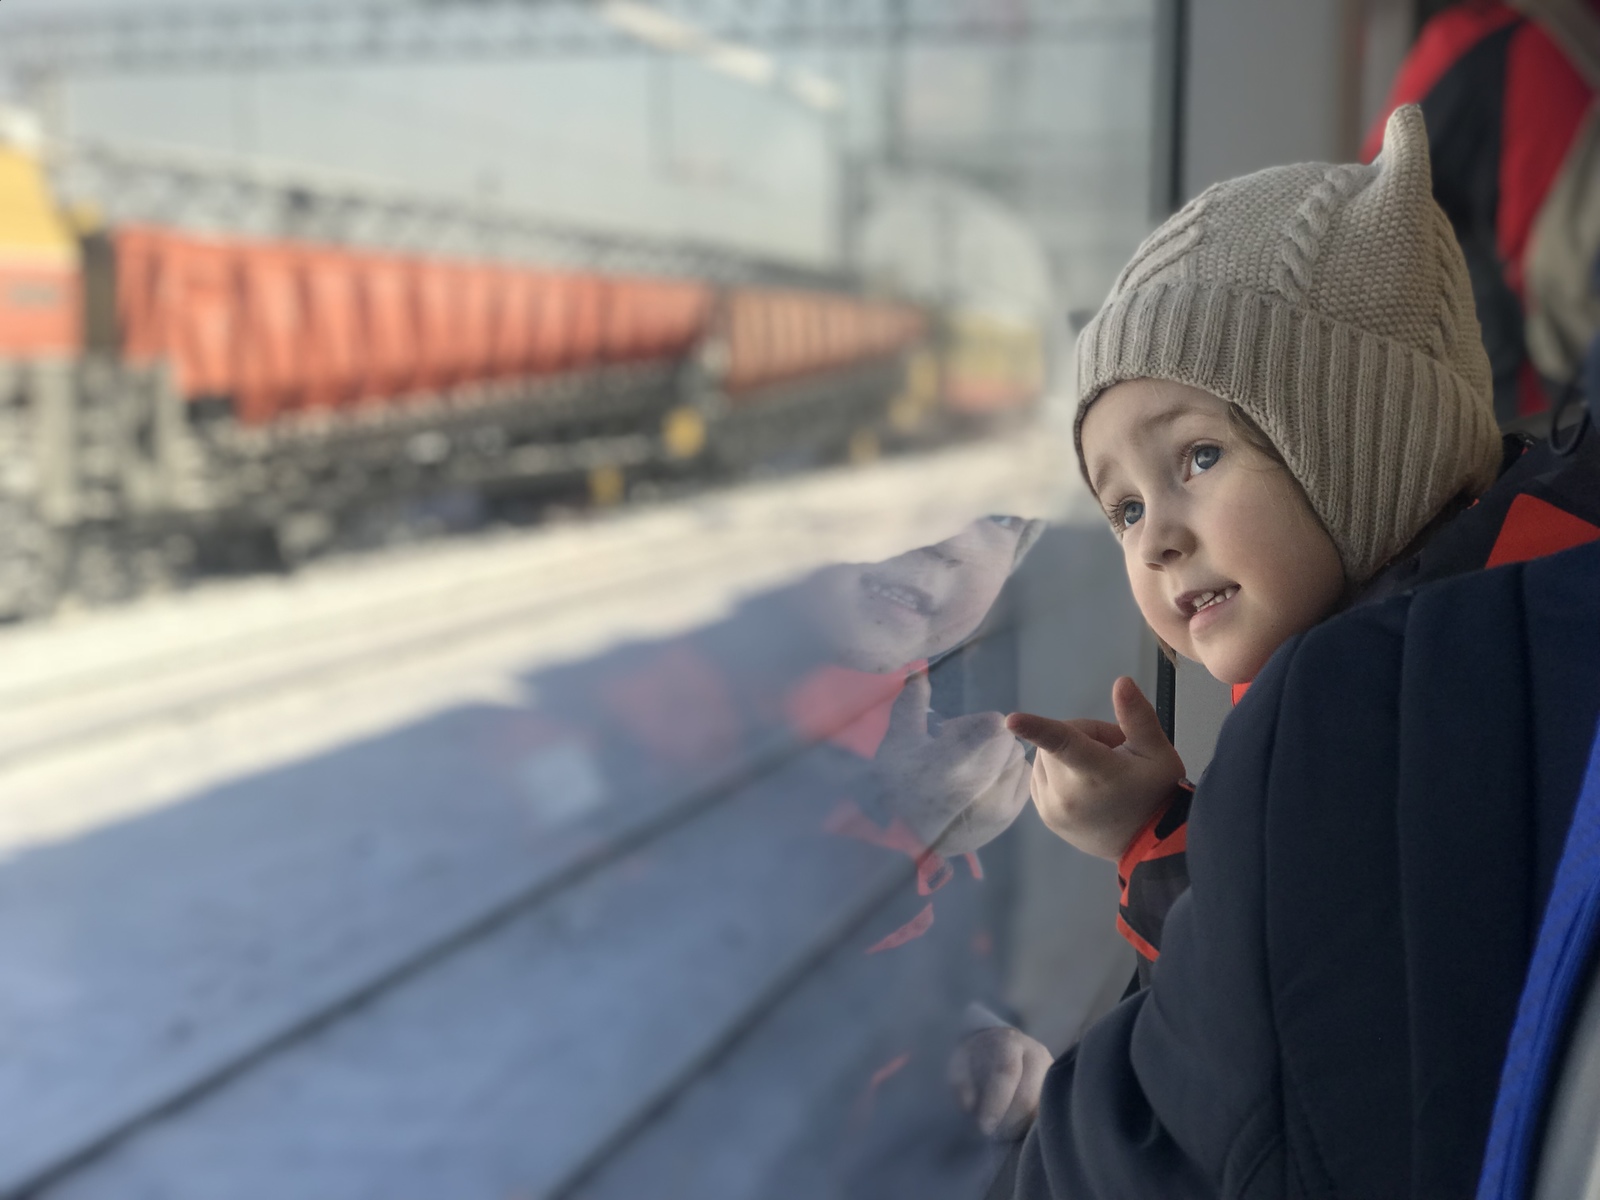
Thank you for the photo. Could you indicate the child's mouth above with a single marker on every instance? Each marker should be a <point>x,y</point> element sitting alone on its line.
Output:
<point>901,595</point>
<point>1194,603</point>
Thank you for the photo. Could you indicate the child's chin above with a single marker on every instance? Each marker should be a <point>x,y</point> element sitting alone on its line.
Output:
<point>1231,668</point>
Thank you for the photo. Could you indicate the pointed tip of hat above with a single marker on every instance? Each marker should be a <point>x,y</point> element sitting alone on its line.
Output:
<point>1405,137</point>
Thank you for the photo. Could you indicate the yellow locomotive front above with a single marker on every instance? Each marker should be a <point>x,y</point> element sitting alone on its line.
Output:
<point>40,277</point>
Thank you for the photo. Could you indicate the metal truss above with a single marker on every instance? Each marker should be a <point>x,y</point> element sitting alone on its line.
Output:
<point>165,36</point>
<point>119,185</point>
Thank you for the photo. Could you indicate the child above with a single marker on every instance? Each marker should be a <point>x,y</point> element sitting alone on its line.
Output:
<point>1284,390</point>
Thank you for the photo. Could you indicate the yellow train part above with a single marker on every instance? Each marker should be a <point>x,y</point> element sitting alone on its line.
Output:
<point>40,274</point>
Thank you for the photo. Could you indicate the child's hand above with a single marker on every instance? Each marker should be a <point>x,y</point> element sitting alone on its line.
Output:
<point>956,786</point>
<point>1095,784</point>
<point>998,1074</point>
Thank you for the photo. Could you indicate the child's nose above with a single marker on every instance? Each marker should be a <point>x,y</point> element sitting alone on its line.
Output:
<point>1166,541</point>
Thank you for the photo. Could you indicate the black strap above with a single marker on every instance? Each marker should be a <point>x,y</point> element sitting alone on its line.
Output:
<point>1167,696</point>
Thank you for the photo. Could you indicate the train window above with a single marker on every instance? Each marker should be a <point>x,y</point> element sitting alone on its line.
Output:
<point>518,526</point>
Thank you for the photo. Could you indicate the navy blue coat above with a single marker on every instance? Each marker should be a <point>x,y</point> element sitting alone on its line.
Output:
<point>1370,852</point>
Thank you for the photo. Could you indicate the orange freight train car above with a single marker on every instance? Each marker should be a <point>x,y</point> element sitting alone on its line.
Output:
<point>281,327</point>
<point>773,335</point>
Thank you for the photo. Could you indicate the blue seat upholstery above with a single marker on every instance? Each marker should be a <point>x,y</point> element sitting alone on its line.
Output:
<point>1569,1163</point>
<point>1553,1057</point>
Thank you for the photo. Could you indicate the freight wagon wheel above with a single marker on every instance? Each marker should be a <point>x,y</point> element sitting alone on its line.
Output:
<point>32,563</point>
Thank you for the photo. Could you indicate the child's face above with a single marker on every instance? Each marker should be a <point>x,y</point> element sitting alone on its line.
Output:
<point>1200,510</point>
<point>881,616</point>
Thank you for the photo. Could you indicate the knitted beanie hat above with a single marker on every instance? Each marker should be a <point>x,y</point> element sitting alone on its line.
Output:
<point>1332,305</point>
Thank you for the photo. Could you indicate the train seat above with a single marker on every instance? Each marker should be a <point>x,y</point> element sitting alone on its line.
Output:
<point>1544,1140</point>
<point>1569,1160</point>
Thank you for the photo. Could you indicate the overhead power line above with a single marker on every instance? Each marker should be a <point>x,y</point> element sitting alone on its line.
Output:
<point>168,37</point>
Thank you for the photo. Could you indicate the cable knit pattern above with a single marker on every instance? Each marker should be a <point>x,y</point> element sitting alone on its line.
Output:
<point>1169,244</point>
<point>1303,237</point>
<point>1332,305</point>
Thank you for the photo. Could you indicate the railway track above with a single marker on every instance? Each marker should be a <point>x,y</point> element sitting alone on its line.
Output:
<point>259,921</point>
<point>283,634</point>
<point>821,518</point>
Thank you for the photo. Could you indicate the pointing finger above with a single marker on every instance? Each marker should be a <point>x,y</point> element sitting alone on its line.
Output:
<point>1107,733</point>
<point>909,716</point>
<point>1053,737</point>
<point>1137,717</point>
<point>1061,740</point>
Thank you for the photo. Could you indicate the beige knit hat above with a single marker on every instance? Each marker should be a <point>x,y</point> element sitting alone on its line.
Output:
<point>1331,304</point>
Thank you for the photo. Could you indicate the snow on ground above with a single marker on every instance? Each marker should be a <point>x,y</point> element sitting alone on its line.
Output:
<point>104,715</point>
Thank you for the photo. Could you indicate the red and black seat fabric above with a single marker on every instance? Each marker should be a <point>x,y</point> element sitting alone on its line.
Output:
<point>1503,105</point>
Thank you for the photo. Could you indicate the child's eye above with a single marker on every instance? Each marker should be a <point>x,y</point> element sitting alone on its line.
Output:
<point>1205,457</point>
<point>1127,513</point>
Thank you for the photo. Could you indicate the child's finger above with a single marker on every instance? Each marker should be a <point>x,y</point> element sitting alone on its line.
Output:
<point>1060,740</point>
<point>1053,737</point>
<point>1137,717</point>
<point>1107,733</point>
<point>908,718</point>
<point>999,1088</point>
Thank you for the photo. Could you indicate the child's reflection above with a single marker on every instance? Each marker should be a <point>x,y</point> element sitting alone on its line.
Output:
<point>881,616</point>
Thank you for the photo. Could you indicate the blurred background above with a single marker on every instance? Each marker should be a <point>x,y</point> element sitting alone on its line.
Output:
<point>441,753</point>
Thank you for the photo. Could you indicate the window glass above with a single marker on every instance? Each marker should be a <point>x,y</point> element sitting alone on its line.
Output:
<point>519,526</point>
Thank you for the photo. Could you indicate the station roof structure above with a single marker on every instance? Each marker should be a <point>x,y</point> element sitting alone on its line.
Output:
<point>166,36</point>
<point>1070,183</point>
